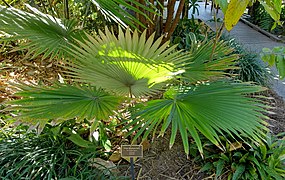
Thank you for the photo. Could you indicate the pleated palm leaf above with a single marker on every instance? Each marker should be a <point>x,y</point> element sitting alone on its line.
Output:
<point>213,109</point>
<point>129,64</point>
<point>132,65</point>
<point>46,35</point>
<point>63,102</point>
<point>203,66</point>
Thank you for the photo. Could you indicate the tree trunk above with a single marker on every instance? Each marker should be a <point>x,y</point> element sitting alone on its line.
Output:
<point>175,21</point>
<point>170,13</point>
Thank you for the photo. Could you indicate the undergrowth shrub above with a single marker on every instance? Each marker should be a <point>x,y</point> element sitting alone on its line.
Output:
<point>250,67</point>
<point>245,161</point>
<point>26,155</point>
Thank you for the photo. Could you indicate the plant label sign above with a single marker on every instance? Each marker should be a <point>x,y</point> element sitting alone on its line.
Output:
<point>132,150</point>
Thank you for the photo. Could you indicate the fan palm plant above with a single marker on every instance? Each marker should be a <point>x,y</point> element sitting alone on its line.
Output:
<point>108,68</point>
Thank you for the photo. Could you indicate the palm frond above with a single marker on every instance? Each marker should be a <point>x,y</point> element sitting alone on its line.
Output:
<point>213,109</point>
<point>113,9</point>
<point>129,64</point>
<point>63,102</point>
<point>201,67</point>
<point>45,34</point>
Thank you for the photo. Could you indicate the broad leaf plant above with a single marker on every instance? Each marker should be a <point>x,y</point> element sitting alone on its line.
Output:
<point>108,69</point>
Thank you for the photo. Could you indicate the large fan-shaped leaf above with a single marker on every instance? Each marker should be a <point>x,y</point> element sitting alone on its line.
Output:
<point>129,64</point>
<point>212,109</point>
<point>201,67</point>
<point>63,102</point>
<point>47,34</point>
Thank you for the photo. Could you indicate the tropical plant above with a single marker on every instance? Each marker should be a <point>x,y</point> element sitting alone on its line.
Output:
<point>250,69</point>
<point>194,6</point>
<point>26,155</point>
<point>108,69</point>
<point>112,9</point>
<point>275,57</point>
<point>247,161</point>
<point>188,31</point>
<point>140,68</point>
<point>234,9</point>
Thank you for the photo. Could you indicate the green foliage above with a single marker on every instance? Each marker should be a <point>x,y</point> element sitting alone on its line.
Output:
<point>48,36</point>
<point>201,67</point>
<point>90,11</point>
<point>276,57</point>
<point>247,161</point>
<point>261,18</point>
<point>185,32</point>
<point>129,64</point>
<point>113,10</point>
<point>234,9</point>
<point>250,69</point>
<point>63,102</point>
<point>207,108</point>
<point>46,156</point>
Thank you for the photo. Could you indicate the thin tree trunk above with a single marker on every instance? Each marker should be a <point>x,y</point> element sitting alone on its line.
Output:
<point>142,18</point>
<point>160,23</point>
<point>66,10</point>
<point>170,13</point>
<point>176,20</point>
<point>151,24</point>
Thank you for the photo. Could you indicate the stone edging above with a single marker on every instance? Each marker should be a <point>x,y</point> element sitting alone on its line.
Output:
<point>255,27</point>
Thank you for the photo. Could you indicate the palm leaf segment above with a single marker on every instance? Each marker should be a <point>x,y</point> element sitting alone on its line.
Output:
<point>45,33</point>
<point>63,102</point>
<point>129,64</point>
<point>112,9</point>
<point>204,66</point>
<point>212,109</point>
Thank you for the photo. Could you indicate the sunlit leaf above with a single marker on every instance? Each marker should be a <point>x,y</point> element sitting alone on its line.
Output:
<point>129,64</point>
<point>234,11</point>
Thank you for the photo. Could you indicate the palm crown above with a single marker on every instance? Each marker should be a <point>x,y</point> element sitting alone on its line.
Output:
<point>107,68</point>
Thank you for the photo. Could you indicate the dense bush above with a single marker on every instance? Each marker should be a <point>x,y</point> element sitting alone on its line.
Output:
<point>26,155</point>
<point>239,160</point>
<point>261,18</point>
<point>251,68</point>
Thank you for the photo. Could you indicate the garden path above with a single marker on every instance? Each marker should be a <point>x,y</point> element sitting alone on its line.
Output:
<point>251,39</point>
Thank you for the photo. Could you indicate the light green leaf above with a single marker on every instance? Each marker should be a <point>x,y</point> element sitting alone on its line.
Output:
<point>223,4</point>
<point>233,13</point>
<point>79,141</point>
<point>129,64</point>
